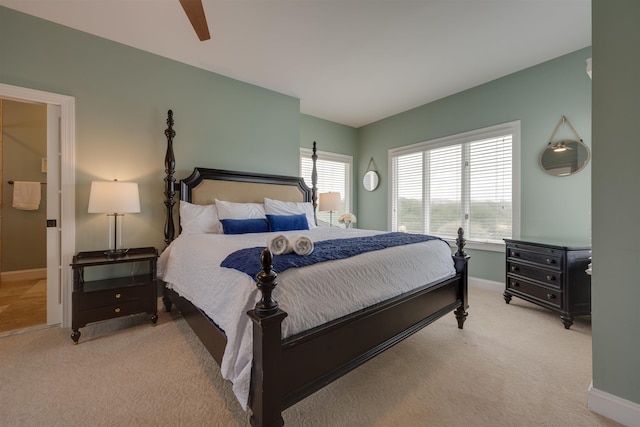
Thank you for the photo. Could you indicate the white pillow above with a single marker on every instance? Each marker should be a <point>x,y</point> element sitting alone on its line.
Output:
<point>233,210</point>
<point>277,207</point>
<point>199,219</point>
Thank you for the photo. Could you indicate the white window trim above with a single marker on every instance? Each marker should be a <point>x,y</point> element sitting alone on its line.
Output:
<point>335,157</point>
<point>512,128</point>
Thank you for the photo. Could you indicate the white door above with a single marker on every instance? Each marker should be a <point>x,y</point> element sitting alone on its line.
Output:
<point>61,156</point>
<point>52,167</point>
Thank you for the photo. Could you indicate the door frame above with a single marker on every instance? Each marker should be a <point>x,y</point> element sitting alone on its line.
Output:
<point>66,224</point>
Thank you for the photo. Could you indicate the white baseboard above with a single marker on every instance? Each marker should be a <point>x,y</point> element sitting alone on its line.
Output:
<point>616,408</point>
<point>34,274</point>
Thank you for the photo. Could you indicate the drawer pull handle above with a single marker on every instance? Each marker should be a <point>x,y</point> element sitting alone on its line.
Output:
<point>515,254</point>
<point>516,284</point>
<point>550,296</point>
<point>551,261</point>
<point>550,278</point>
<point>118,296</point>
<point>117,310</point>
<point>514,268</point>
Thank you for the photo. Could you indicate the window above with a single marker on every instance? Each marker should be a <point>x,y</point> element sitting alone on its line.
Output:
<point>334,174</point>
<point>469,180</point>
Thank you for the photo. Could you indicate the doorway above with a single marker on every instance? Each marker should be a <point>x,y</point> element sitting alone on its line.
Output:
<point>23,213</point>
<point>60,195</point>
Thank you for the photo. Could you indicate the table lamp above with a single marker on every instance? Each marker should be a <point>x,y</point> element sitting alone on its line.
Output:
<point>114,198</point>
<point>329,202</point>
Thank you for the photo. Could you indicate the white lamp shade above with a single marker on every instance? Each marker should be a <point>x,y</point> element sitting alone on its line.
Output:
<point>329,202</point>
<point>114,197</point>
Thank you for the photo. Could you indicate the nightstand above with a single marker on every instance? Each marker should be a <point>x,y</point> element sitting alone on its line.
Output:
<point>126,294</point>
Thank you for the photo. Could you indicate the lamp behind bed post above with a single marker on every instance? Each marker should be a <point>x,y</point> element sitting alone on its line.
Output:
<point>114,198</point>
<point>329,202</point>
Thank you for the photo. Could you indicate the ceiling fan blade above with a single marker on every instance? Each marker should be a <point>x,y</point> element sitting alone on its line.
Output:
<point>195,13</point>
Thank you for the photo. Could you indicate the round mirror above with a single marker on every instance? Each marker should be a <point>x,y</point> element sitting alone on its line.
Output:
<point>564,157</point>
<point>370,180</point>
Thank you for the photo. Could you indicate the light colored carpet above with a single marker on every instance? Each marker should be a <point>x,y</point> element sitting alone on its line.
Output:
<point>512,365</point>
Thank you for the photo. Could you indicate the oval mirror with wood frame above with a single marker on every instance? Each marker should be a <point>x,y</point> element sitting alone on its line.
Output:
<point>370,181</point>
<point>565,157</point>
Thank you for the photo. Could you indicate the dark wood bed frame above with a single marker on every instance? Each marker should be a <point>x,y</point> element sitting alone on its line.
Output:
<point>286,371</point>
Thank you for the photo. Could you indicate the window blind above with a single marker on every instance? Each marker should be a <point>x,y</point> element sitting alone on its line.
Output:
<point>460,181</point>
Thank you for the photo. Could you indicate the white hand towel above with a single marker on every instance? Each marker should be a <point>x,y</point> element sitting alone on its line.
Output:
<point>26,195</point>
<point>279,245</point>
<point>302,245</point>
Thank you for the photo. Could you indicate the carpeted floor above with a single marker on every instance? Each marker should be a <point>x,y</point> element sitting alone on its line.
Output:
<point>512,365</point>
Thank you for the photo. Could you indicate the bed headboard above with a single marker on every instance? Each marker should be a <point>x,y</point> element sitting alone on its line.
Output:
<point>205,185</point>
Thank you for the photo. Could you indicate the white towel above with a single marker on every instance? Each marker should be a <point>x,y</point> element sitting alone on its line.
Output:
<point>26,195</point>
<point>279,245</point>
<point>302,245</point>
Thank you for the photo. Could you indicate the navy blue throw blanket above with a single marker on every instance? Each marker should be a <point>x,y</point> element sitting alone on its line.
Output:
<point>248,260</point>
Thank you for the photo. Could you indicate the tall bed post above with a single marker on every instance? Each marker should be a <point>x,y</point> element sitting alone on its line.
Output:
<point>267,317</point>
<point>169,180</point>
<point>461,259</point>
<point>314,182</point>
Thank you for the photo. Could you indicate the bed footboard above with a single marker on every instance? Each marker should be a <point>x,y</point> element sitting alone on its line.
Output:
<point>286,371</point>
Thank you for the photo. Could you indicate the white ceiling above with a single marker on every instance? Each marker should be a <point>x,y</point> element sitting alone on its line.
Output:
<point>348,61</point>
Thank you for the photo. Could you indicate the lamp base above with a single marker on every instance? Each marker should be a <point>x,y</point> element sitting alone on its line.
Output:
<point>116,253</point>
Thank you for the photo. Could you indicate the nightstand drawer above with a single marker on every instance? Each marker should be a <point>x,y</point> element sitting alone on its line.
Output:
<point>95,299</point>
<point>546,257</point>
<point>548,296</point>
<point>548,277</point>
<point>115,310</point>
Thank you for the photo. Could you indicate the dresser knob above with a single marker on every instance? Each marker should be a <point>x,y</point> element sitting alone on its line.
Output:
<point>514,268</point>
<point>118,296</point>
<point>550,261</point>
<point>515,254</point>
<point>550,278</point>
<point>117,310</point>
<point>550,296</point>
<point>516,284</point>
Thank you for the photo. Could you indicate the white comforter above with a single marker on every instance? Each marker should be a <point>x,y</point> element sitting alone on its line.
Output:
<point>311,295</point>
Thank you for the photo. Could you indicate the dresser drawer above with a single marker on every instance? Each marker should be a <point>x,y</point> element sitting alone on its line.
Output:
<point>547,257</point>
<point>552,297</point>
<point>547,276</point>
<point>108,297</point>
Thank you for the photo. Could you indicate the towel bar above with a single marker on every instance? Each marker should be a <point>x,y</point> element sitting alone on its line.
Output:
<point>11,183</point>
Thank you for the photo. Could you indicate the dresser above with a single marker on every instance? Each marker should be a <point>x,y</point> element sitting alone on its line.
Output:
<point>549,274</point>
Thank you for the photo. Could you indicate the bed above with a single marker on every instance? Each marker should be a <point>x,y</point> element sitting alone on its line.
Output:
<point>276,349</point>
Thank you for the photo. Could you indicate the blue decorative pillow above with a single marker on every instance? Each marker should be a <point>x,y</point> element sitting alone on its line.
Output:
<point>287,222</point>
<point>242,226</point>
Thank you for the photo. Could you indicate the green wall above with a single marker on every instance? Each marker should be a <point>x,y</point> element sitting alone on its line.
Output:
<point>616,185</point>
<point>122,96</point>
<point>330,136</point>
<point>558,207</point>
